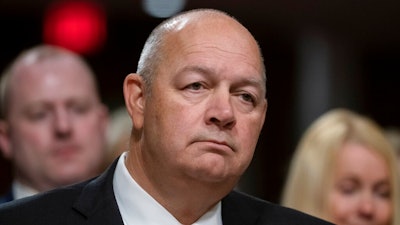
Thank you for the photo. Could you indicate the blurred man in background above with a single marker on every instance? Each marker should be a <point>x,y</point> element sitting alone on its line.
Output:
<point>53,123</point>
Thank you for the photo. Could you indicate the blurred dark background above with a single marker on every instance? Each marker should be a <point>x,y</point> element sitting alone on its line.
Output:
<point>319,55</point>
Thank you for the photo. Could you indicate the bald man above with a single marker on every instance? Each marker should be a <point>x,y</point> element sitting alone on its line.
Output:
<point>52,121</point>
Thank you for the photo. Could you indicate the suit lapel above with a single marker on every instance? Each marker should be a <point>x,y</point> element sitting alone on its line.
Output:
<point>97,201</point>
<point>98,205</point>
<point>238,209</point>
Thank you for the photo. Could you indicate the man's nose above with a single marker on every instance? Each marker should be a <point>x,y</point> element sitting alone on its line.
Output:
<point>220,110</point>
<point>62,122</point>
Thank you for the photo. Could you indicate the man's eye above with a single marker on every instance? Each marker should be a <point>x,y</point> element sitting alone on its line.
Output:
<point>80,109</point>
<point>195,86</point>
<point>248,97</point>
<point>36,116</point>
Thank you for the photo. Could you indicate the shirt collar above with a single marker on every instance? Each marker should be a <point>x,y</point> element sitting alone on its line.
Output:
<point>20,190</point>
<point>138,207</point>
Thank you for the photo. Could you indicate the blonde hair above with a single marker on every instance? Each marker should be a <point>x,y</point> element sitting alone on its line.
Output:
<point>393,135</point>
<point>312,165</point>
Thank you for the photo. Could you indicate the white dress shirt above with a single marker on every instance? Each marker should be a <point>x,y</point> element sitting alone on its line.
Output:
<point>21,191</point>
<point>138,207</point>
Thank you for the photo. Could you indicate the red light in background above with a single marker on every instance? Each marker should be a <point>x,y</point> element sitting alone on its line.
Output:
<point>76,25</point>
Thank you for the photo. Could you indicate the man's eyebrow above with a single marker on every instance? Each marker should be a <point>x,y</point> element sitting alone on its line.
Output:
<point>210,71</point>
<point>256,81</point>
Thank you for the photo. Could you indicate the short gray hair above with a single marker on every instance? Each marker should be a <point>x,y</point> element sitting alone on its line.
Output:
<point>33,56</point>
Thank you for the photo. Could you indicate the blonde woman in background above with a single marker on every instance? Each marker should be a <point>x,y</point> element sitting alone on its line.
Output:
<point>344,170</point>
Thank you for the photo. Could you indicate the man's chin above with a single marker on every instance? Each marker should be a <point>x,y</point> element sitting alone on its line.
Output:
<point>214,175</point>
<point>70,177</point>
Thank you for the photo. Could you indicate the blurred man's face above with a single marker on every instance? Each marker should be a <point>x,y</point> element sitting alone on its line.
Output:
<point>56,124</point>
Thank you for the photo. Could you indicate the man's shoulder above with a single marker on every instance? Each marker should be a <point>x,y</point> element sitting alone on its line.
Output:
<point>73,204</point>
<point>26,209</point>
<point>241,206</point>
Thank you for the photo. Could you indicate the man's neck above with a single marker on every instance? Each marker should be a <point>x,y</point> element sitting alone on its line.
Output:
<point>186,201</point>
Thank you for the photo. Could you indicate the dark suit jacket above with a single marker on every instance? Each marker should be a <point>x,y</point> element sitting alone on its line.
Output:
<point>93,202</point>
<point>7,197</point>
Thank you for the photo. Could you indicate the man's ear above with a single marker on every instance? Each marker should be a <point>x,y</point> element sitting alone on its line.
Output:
<point>134,94</point>
<point>5,142</point>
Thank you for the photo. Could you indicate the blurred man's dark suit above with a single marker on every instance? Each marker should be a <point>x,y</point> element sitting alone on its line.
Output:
<point>8,197</point>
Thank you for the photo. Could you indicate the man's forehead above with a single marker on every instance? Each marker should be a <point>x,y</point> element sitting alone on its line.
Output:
<point>197,19</point>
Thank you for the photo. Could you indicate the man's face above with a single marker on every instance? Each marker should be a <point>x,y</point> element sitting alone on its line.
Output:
<point>207,106</point>
<point>56,124</point>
